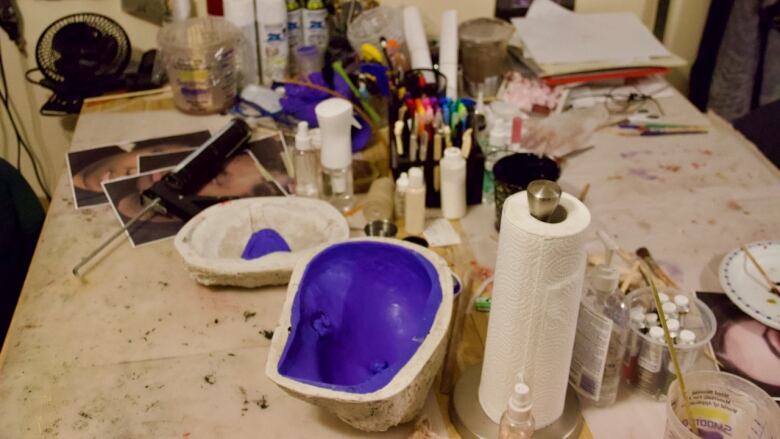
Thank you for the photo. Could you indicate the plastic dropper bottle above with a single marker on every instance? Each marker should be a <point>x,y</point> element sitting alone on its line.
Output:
<point>517,422</point>
<point>306,163</point>
<point>602,333</point>
<point>400,195</point>
<point>414,206</point>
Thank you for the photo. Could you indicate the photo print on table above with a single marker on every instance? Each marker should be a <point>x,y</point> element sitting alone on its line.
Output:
<point>240,178</point>
<point>89,168</point>
<point>744,346</point>
<point>160,160</point>
<point>271,154</point>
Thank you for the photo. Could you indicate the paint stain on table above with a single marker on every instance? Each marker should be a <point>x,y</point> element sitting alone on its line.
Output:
<point>642,173</point>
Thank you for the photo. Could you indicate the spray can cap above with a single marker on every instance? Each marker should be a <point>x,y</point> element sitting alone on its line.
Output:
<point>416,178</point>
<point>302,137</point>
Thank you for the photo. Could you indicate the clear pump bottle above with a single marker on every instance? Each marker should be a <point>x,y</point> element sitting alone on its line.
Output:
<point>602,330</point>
<point>306,163</point>
<point>335,119</point>
<point>517,422</point>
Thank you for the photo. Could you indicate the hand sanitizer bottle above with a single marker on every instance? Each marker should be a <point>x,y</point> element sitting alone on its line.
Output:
<point>602,332</point>
<point>517,422</point>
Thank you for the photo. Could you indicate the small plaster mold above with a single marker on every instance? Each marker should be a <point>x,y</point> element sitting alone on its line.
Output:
<point>363,330</point>
<point>212,242</point>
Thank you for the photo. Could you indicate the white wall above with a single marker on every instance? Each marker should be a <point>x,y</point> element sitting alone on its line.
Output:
<point>50,136</point>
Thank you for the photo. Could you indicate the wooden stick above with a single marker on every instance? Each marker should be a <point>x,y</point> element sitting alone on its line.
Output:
<point>584,192</point>
<point>760,269</point>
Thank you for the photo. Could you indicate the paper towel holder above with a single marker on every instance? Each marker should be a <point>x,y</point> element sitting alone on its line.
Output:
<point>544,198</point>
<point>471,421</point>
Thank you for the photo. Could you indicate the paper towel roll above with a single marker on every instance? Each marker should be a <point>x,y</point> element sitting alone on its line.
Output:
<point>533,316</point>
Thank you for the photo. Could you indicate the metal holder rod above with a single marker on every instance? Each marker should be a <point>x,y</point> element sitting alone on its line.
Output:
<point>119,232</point>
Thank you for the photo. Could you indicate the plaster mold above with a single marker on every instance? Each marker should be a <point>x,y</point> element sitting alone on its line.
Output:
<point>363,330</point>
<point>212,242</point>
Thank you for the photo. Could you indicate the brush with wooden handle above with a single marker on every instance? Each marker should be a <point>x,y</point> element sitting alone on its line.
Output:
<point>760,269</point>
<point>644,254</point>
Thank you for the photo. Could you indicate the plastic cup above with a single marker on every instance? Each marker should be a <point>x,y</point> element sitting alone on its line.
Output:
<point>724,406</point>
<point>371,25</point>
<point>200,56</point>
<point>309,60</point>
<point>700,320</point>
<point>483,51</point>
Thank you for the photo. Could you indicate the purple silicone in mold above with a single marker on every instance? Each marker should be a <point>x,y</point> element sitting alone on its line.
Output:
<point>361,311</point>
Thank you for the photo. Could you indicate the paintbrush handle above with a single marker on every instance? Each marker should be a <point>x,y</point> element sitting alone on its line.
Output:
<point>760,269</point>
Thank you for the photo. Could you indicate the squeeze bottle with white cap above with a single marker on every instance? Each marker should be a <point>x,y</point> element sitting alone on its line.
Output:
<point>453,184</point>
<point>306,164</point>
<point>272,36</point>
<point>602,332</point>
<point>334,116</point>
<point>517,422</point>
<point>399,200</point>
<point>414,206</point>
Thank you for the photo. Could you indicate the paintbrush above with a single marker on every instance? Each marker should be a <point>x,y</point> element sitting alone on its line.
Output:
<point>771,284</point>
<point>672,350</point>
<point>644,254</point>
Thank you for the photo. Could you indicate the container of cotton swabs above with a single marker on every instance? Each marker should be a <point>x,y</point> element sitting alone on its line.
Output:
<point>709,404</point>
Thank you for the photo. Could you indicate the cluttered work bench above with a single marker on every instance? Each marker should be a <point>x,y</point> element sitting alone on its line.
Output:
<point>136,348</point>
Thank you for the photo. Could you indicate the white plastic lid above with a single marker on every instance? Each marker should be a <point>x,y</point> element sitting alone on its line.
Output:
<point>682,301</point>
<point>687,336</point>
<point>453,153</point>
<point>664,297</point>
<point>520,401</point>
<point>334,116</point>
<point>302,137</point>
<point>637,316</point>
<point>604,279</point>
<point>499,135</point>
<point>416,178</point>
<point>272,11</point>
<point>673,325</point>
<point>669,308</point>
<point>402,183</point>
<point>651,318</point>
<point>656,332</point>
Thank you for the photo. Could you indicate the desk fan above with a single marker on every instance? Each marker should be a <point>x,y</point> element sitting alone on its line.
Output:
<point>80,56</point>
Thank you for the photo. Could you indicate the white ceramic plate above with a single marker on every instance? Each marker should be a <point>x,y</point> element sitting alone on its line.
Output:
<point>745,286</point>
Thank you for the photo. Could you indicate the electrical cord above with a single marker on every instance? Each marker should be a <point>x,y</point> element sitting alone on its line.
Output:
<point>5,97</point>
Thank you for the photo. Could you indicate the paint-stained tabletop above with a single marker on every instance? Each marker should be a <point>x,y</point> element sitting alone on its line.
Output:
<point>136,348</point>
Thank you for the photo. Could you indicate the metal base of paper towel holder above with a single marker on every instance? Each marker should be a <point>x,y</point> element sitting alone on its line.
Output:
<point>472,422</point>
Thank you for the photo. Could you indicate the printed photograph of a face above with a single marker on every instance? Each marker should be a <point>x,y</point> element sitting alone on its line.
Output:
<point>90,168</point>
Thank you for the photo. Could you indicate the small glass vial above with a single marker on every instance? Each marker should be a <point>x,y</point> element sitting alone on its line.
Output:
<point>632,346</point>
<point>517,422</point>
<point>651,320</point>
<point>683,306</point>
<point>686,339</point>
<point>674,327</point>
<point>670,310</point>
<point>306,163</point>
<point>664,297</point>
<point>650,362</point>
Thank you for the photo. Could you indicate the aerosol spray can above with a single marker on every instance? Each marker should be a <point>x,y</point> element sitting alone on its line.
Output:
<point>272,36</point>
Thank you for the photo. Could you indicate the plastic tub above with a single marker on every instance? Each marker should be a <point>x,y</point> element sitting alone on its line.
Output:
<point>648,365</point>
<point>723,406</point>
<point>483,48</point>
<point>200,56</point>
<point>371,25</point>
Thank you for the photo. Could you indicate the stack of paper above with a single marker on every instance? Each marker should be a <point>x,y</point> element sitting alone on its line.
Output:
<point>557,41</point>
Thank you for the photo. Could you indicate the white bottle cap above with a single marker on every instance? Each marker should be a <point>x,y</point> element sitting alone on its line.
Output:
<point>669,308</point>
<point>656,332</point>
<point>664,297</point>
<point>651,318</point>
<point>499,135</point>
<point>605,279</point>
<point>453,153</point>
<point>416,178</point>
<point>637,316</point>
<point>402,183</point>
<point>687,336</point>
<point>302,138</point>
<point>673,325</point>
<point>334,116</point>
<point>682,301</point>
<point>520,403</point>
<point>272,11</point>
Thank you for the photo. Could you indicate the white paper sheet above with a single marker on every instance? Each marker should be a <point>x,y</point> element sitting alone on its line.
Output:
<point>557,38</point>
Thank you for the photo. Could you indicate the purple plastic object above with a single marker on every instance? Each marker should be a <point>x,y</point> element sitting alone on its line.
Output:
<point>263,242</point>
<point>361,311</point>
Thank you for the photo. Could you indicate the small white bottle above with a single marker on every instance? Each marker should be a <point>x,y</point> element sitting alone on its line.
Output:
<point>399,200</point>
<point>517,422</point>
<point>650,362</point>
<point>334,117</point>
<point>453,184</point>
<point>683,307</point>
<point>306,163</point>
<point>602,334</point>
<point>272,37</point>
<point>315,25</point>
<point>414,205</point>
